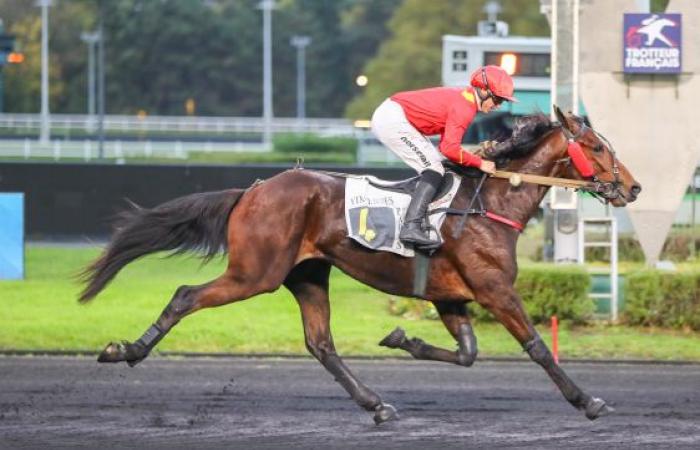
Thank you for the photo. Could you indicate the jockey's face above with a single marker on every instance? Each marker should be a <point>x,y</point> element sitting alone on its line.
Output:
<point>490,103</point>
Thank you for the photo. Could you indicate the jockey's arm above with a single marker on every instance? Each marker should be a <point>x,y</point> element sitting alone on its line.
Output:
<point>451,145</point>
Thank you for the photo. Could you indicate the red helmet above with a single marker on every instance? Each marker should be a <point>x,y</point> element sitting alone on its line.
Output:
<point>495,80</point>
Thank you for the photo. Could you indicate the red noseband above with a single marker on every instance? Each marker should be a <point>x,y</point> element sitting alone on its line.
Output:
<point>582,164</point>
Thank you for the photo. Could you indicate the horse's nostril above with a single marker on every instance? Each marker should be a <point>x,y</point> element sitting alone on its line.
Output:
<point>636,189</point>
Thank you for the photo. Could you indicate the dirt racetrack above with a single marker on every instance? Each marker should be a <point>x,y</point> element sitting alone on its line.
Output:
<point>74,402</point>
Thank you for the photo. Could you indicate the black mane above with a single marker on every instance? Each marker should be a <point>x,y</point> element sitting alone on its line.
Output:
<point>528,131</point>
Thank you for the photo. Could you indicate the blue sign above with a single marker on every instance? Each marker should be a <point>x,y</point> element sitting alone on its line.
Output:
<point>652,43</point>
<point>11,236</point>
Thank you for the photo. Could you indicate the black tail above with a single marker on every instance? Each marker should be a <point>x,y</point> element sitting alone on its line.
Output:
<point>197,222</point>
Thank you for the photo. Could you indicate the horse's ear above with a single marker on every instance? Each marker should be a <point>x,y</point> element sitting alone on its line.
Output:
<point>560,117</point>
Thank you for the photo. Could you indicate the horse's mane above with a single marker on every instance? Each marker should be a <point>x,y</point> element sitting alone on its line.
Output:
<point>528,131</point>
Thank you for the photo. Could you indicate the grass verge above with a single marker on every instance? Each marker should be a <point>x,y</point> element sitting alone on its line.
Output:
<point>41,312</point>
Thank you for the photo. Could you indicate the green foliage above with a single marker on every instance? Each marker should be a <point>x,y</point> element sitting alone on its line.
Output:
<point>556,291</point>
<point>412,309</point>
<point>666,299</point>
<point>411,57</point>
<point>546,291</point>
<point>159,54</point>
<point>301,144</point>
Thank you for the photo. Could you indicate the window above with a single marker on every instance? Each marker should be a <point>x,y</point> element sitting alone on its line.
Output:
<point>459,55</point>
<point>526,64</point>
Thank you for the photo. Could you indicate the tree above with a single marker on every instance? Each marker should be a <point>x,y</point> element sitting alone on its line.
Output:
<point>159,54</point>
<point>411,57</point>
<point>23,81</point>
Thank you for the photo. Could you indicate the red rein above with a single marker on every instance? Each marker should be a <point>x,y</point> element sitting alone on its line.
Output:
<point>582,164</point>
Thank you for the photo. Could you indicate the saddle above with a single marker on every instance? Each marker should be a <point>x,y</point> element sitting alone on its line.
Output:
<point>408,185</point>
<point>375,210</point>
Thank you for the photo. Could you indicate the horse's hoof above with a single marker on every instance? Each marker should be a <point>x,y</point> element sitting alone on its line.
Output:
<point>116,352</point>
<point>384,413</point>
<point>394,339</point>
<point>112,353</point>
<point>596,407</point>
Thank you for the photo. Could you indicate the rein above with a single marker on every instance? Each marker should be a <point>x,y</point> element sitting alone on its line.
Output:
<point>601,190</point>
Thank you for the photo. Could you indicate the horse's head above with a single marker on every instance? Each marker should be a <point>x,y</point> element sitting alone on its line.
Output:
<point>593,158</point>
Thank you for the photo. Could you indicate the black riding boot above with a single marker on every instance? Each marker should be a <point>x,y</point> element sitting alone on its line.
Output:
<point>414,232</point>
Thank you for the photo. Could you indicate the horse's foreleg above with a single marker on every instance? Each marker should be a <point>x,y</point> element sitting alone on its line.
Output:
<point>508,309</point>
<point>456,319</point>
<point>186,300</point>
<point>309,284</point>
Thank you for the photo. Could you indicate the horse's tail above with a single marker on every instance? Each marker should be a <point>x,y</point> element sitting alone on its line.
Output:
<point>196,222</point>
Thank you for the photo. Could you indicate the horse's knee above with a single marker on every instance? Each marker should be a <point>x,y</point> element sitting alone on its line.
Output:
<point>539,352</point>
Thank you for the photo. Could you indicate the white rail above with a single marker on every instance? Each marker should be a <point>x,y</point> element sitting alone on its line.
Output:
<point>610,221</point>
<point>195,124</point>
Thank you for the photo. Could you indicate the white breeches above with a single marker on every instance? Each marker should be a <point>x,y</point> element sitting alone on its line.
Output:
<point>392,128</point>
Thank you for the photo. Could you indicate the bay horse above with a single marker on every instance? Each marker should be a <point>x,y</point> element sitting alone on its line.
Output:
<point>290,229</point>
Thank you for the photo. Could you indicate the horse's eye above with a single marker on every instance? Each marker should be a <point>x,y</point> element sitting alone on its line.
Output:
<point>598,148</point>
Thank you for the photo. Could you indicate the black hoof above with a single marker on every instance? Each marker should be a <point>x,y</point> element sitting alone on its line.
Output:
<point>394,339</point>
<point>597,408</point>
<point>384,413</point>
<point>116,352</point>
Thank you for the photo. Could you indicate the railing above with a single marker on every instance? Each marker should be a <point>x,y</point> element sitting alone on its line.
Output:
<point>610,224</point>
<point>193,124</point>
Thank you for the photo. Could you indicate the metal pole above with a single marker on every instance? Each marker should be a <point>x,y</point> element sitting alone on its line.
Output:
<point>91,40</point>
<point>575,62</point>
<point>267,6</point>
<point>553,59</point>
<point>101,82</point>
<point>300,42</point>
<point>45,132</point>
<point>613,270</point>
<point>301,93</point>
<point>693,236</point>
<point>2,92</point>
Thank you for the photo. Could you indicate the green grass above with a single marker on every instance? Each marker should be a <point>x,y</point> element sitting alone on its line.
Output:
<point>41,312</point>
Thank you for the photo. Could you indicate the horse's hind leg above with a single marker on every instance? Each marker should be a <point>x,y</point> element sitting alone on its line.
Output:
<point>309,283</point>
<point>455,317</point>
<point>186,300</point>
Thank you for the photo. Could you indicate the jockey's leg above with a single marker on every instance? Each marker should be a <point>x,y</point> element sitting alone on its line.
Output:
<point>415,225</point>
<point>392,128</point>
<point>456,319</point>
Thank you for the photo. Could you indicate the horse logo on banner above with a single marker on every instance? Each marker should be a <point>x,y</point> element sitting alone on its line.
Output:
<point>652,43</point>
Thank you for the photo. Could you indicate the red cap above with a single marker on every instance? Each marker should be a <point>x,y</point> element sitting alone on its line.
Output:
<point>495,80</point>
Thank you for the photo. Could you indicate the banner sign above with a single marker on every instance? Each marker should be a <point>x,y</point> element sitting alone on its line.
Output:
<point>11,236</point>
<point>652,43</point>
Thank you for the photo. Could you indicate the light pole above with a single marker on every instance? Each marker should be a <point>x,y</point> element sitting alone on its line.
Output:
<point>45,132</point>
<point>301,42</point>
<point>101,81</point>
<point>267,6</point>
<point>91,40</point>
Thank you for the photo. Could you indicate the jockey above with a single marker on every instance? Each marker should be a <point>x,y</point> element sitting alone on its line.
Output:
<point>403,121</point>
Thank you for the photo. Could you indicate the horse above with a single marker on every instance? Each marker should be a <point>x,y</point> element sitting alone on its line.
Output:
<point>290,229</point>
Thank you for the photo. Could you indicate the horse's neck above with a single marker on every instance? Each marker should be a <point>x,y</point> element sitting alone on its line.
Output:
<point>521,203</point>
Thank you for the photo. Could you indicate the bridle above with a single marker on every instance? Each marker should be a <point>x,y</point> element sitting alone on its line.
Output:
<point>604,191</point>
